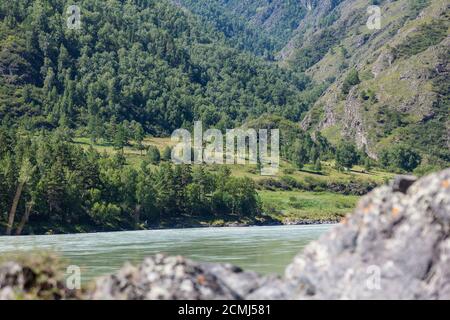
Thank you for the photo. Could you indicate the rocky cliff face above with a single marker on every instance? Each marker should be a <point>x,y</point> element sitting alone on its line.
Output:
<point>399,67</point>
<point>396,245</point>
<point>403,67</point>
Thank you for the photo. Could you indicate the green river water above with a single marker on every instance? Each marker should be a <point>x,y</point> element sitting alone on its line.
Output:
<point>262,249</point>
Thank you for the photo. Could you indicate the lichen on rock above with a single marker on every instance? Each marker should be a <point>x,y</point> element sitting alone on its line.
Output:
<point>399,240</point>
<point>165,278</point>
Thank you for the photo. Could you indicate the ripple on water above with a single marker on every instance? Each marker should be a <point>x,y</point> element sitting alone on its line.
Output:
<point>262,249</point>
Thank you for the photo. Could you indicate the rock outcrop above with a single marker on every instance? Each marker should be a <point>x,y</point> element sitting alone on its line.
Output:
<point>37,277</point>
<point>402,86</point>
<point>168,278</point>
<point>396,245</point>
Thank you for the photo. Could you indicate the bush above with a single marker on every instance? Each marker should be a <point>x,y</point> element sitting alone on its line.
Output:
<point>313,184</point>
<point>351,80</point>
<point>153,155</point>
<point>400,158</point>
<point>289,181</point>
<point>272,184</point>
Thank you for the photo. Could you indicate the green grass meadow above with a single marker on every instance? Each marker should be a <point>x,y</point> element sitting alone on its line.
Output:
<point>283,205</point>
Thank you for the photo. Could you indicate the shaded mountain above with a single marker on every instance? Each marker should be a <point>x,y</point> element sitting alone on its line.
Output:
<point>272,19</point>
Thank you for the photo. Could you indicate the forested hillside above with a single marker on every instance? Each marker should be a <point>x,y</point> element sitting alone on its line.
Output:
<point>146,61</point>
<point>271,21</point>
<point>48,185</point>
<point>134,68</point>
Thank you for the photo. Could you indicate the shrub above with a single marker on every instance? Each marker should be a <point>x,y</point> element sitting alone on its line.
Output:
<point>400,158</point>
<point>153,155</point>
<point>351,80</point>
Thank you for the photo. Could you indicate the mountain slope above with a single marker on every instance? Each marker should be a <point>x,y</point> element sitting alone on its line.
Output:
<point>236,29</point>
<point>273,19</point>
<point>390,86</point>
<point>147,61</point>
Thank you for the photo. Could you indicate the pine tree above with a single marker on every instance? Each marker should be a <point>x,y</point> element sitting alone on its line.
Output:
<point>111,129</point>
<point>166,154</point>
<point>367,164</point>
<point>314,154</point>
<point>121,138</point>
<point>318,165</point>
<point>300,154</point>
<point>153,155</point>
<point>138,136</point>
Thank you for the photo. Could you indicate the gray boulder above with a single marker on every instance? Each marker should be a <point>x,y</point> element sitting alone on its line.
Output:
<point>396,245</point>
<point>167,278</point>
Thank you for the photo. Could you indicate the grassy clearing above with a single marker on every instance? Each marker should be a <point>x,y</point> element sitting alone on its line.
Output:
<point>298,205</point>
<point>282,205</point>
<point>328,173</point>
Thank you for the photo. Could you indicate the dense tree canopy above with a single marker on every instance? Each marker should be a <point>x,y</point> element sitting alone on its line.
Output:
<point>47,183</point>
<point>143,60</point>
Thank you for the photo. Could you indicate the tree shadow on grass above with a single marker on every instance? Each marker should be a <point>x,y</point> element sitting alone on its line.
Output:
<point>318,173</point>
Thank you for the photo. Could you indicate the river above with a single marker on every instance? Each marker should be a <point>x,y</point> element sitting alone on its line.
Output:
<point>262,249</point>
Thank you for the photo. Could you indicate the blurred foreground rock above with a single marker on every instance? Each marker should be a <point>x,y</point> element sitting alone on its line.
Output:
<point>38,276</point>
<point>396,245</point>
<point>162,277</point>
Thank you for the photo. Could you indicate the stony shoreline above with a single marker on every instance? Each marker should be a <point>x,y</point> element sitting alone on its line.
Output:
<point>236,224</point>
<point>230,224</point>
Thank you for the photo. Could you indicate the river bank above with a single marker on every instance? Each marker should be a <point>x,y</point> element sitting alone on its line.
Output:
<point>257,222</point>
<point>394,246</point>
<point>260,221</point>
